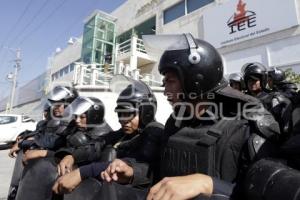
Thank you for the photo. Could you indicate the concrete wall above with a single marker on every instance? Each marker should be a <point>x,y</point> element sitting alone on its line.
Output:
<point>68,55</point>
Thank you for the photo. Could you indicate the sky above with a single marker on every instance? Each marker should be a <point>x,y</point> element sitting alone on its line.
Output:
<point>38,27</point>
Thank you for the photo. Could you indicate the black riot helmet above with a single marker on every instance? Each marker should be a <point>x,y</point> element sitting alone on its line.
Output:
<point>197,64</point>
<point>236,77</point>
<point>62,94</point>
<point>138,98</point>
<point>255,70</point>
<point>91,106</point>
<point>277,75</point>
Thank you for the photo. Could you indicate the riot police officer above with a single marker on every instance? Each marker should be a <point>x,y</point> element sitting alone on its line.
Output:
<point>275,77</point>
<point>15,151</point>
<point>85,144</point>
<point>138,139</point>
<point>236,81</point>
<point>53,136</point>
<point>256,79</point>
<point>39,149</point>
<point>195,134</point>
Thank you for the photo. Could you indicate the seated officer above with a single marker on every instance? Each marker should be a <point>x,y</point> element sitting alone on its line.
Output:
<point>138,139</point>
<point>236,81</point>
<point>41,125</point>
<point>53,136</point>
<point>84,145</point>
<point>203,152</point>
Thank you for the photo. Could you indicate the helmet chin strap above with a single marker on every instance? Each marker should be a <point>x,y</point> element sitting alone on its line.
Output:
<point>194,57</point>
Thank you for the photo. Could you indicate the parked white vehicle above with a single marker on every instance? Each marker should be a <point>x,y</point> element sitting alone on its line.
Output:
<point>12,125</point>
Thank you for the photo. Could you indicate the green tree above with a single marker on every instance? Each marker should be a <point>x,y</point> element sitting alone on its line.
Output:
<point>292,76</point>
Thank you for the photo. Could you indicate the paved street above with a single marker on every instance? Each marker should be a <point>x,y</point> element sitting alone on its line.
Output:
<point>6,169</point>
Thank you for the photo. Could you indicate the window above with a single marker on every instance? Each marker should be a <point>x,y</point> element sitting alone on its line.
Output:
<point>61,72</point>
<point>179,10</point>
<point>66,70</point>
<point>55,76</point>
<point>146,28</point>
<point>196,4</point>
<point>72,65</point>
<point>7,119</point>
<point>26,119</point>
<point>174,12</point>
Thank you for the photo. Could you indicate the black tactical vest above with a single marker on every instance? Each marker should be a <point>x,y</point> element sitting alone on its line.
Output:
<point>213,150</point>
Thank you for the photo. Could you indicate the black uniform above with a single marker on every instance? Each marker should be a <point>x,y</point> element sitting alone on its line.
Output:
<point>85,145</point>
<point>218,146</point>
<point>140,147</point>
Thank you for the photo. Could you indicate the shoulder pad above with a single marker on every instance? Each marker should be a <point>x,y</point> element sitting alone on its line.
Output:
<point>154,124</point>
<point>99,131</point>
<point>235,94</point>
<point>53,123</point>
<point>78,139</point>
<point>264,122</point>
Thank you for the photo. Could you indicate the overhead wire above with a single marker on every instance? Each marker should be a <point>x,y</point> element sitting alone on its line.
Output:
<point>43,6</point>
<point>76,21</point>
<point>7,36</point>
<point>42,22</point>
<point>17,22</point>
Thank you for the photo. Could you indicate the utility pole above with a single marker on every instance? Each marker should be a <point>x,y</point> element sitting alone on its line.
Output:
<point>17,67</point>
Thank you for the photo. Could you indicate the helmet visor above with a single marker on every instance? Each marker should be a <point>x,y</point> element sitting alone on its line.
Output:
<point>235,77</point>
<point>79,106</point>
<point>59,93</point>
<point>155,45</point>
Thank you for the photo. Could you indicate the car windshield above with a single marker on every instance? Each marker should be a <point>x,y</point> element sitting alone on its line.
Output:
<point>7,119</point>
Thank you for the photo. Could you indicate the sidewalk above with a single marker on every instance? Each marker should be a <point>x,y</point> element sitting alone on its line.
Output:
<point>6,169</point>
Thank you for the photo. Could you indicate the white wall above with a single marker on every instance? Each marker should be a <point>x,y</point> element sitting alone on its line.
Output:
<point>282,53</point>
<point>68,55</point>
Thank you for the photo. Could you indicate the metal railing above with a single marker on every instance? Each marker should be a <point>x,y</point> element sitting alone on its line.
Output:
<point>100,75</point>
<point>130,45</point>
<point>92,74</point>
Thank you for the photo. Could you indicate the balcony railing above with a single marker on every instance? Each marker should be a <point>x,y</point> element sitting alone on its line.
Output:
<point>100,75</point>
<point>130,45</point>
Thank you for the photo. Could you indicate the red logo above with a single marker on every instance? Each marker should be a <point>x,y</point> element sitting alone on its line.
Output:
<point>241,19</point>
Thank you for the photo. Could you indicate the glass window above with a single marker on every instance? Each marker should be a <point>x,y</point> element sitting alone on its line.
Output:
<point>125,36</point>
<point>72,67</point>
<point>110,26</point>
<point>98,56</point>
<point>87,58</point>
<point>99,34</point>
<point>26,119</point>
<point>55,76</point>
<point>66,70</point>
<point>196,4</point>
<point>91,23</point>
<point>146,28</point>
<point>174,12</point>
<point>61,72</point>
<point>7,119</point>
<point>101,24</point>
<point>110,36</point>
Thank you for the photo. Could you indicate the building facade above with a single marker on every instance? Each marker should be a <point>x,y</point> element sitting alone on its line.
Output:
<point>265,31</point>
